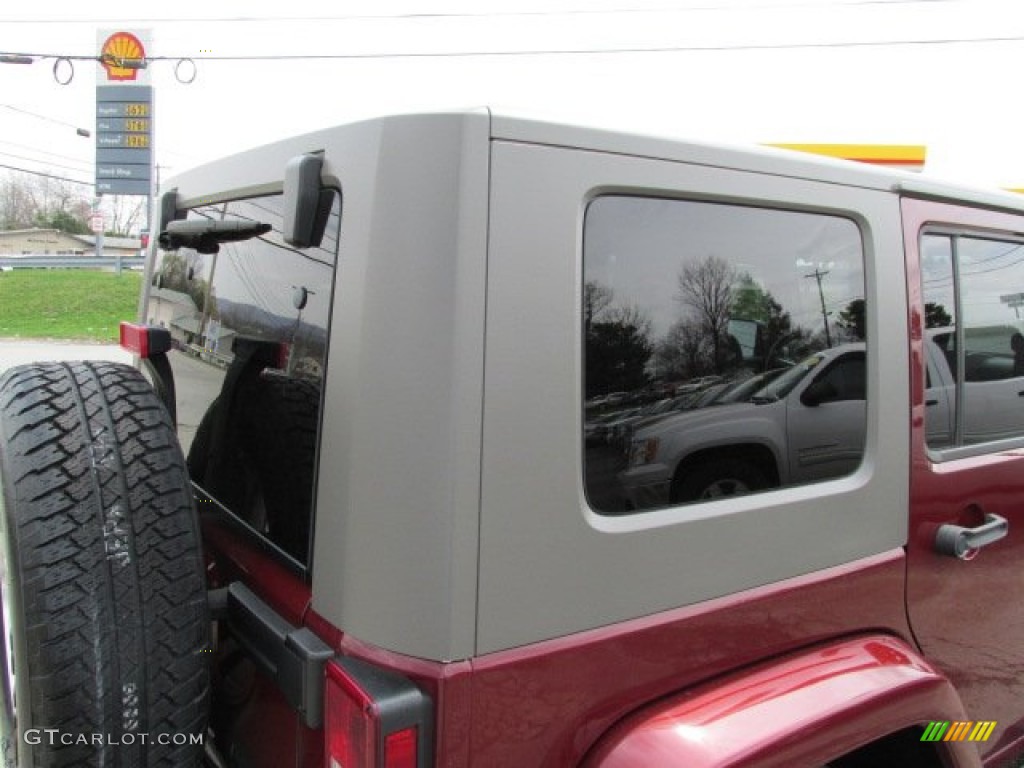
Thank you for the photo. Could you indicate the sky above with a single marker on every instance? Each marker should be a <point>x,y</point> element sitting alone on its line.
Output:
<point>939,73</point>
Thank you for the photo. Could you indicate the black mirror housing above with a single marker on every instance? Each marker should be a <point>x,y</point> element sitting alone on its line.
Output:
<point>307,205</point>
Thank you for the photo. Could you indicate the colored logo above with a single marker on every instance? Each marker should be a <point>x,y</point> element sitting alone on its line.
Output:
<point>958,731</point>
<point>118,47</point>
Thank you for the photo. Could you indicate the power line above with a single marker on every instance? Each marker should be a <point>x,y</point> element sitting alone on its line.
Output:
<point>558,51</point>
<point>30,148</point>
<point>47,175</point>
<point>43,162</point>
<point>480,15</point>
<point>80,131</point>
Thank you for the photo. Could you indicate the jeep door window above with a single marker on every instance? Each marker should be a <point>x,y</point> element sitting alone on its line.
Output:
<point>680,297</point>
<point>249,326</point>
<point>977,393</point>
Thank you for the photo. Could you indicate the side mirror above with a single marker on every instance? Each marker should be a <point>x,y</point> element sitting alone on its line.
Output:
<point>307,205</point>
<point>747,335</point>
<point>169,210</point>
<point>819,392</point>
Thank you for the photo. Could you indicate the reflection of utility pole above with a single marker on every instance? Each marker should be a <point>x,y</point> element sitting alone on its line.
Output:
<point>818,274</point>
<point>300,297</point>
<point>207,308</point>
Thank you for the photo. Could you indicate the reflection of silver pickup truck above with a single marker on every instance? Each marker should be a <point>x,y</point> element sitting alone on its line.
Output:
<point>993,393</point>
<point>808,424</point>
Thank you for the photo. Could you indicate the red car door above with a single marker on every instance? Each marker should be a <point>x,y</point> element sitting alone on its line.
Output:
<point>966,536</point>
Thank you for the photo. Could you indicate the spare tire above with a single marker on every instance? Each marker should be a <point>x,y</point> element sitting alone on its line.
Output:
<point>280,422</point>
<point>106,623</point>
<point>255,453</point>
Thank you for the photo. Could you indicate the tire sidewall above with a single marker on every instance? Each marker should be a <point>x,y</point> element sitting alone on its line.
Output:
<point>694,483</point>
<point>13,724</point>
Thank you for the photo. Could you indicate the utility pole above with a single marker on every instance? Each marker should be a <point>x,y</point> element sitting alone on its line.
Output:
<point>817,274</point>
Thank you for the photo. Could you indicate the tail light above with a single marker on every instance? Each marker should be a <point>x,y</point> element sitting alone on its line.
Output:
<point>374,718</point>
<point>145,340</point>
<point>284,355</point>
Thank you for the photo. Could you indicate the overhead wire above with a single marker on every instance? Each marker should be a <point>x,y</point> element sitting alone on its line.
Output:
<point>30,148</point>
<point>47,175</point>
<point>722,7</point>
<point>44,162</point>
<point>638,50</point>
<point>47,118</point>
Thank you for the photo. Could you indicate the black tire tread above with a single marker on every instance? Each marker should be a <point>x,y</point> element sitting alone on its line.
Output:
<point>280,427</point>
<point>110,565</point>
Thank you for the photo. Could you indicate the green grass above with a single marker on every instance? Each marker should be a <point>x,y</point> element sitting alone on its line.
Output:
<point>66,303</point>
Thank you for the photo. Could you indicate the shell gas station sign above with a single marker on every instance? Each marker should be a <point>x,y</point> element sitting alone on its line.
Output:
<point>124,114</point>
<point>121,47</point>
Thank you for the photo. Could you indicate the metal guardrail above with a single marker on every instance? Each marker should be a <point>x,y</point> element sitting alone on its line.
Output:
<point>70,262</point>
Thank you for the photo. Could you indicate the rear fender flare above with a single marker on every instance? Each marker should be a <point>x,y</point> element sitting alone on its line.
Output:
<point>803,709</point>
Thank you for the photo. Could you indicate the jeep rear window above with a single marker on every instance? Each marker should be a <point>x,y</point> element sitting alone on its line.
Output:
<point>684,301</point>
<point>249,326</point>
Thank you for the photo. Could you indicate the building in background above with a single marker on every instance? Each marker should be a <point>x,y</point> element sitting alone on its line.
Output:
<point>54,242</point>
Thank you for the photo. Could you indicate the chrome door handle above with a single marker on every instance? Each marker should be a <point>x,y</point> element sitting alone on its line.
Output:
<point>964,543</point>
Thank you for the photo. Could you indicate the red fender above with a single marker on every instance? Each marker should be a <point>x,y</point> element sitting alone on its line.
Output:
<point>798,710</point>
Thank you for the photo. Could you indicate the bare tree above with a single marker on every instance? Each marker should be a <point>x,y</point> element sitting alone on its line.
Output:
<point>17,208</point>
<point>124,214</point>
<point>629,315</point>
<point>683,352</point>
<point>39,201</point>
<point>596,299</point>
<point>706,288</point>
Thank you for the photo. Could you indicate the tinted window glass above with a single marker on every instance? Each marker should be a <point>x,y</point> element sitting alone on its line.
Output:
<point>249,326</point>
<point>686,302</point>
<point>846,378</point>
<point>981,281</point>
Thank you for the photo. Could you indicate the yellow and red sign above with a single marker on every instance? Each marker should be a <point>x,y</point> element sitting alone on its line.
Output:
<point>907,156</point>
<point>116,50</point>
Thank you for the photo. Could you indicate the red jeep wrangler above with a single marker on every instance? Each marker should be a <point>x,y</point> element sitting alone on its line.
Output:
<point>353,508</point>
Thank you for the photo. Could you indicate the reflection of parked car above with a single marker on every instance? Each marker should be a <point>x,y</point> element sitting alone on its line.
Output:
<point>993,408</point>
<point>599,428</point>
<point>807,424</point>
<point>741,391</point>
<point>620,428</point>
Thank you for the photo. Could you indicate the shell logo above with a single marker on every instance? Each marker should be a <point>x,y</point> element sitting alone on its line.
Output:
<point>118,47</point>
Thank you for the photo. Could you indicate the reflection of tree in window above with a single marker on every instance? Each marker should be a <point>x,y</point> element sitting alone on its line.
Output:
<point>181,271</point>
<point>706,288</point>
<point>851,320</point>
<point>753,302</point>
<point>682,351</point>
<point>596,299</point>
<point>936,316</point>
<point>618,344</point>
